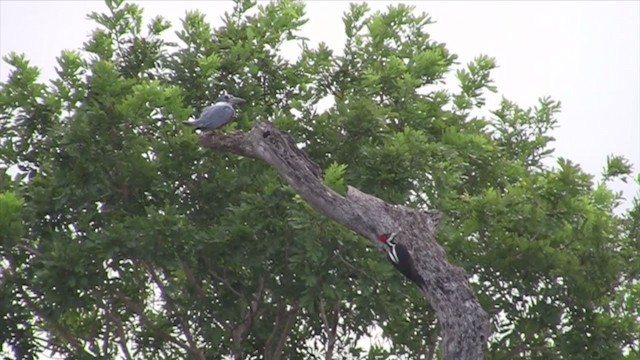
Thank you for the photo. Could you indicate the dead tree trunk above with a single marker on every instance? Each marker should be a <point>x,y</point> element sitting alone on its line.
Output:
<point>465,325</point>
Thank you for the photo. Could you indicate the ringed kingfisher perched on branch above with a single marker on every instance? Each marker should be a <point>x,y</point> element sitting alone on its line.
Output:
<point>217,115</point>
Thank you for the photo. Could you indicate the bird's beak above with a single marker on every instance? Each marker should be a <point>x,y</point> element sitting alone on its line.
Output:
<point>237,100</point>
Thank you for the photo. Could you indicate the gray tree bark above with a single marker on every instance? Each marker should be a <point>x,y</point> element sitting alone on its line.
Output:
<point>464,324</point>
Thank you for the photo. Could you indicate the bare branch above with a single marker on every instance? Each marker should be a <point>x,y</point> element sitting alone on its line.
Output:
<point>432,346</point>
<point>323,316</point>
<point>56,327</point>
<point>268,352</point>
<point>139,310</point>
<point>29,250</point>
<point>183,323</point>
<point>330,328</point>
<point>192,280</point>
<point>465,325</point>
<point>119,325</point>
<point>241,330</point>
<point>288,324</point>
<point>122,337</point>
<point>226,283</point>
<point>93,345</point>
<point>105,339</point>
<point>353,268</point>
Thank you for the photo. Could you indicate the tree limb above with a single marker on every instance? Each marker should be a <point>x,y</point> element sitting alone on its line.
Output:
<point>105,339</point>
<point>117,321</point>
<point>184,323</point>
<point>225,283</point>
<point>352,267</point>
<point>62,332</point>
<point>240,331</point>
<point>68,338</point>
<point>122,337</point>
<point>330,328</point>
<point>284,322</point>
<point>191,279</point>
<point>432,346</point>
<point>139,310</point>
<point>465,325</point>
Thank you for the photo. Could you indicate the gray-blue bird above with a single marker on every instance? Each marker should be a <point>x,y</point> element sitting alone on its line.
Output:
<point>217,115</point>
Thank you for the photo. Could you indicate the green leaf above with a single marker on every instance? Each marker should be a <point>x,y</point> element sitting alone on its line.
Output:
<point>334,178</point>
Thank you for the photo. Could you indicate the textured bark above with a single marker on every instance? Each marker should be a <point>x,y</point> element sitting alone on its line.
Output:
<point>465,325</point>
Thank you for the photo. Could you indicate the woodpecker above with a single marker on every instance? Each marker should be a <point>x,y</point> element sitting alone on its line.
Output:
<point>400,258</point>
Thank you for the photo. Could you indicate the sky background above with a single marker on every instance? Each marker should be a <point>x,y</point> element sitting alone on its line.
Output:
<point>584,54</point>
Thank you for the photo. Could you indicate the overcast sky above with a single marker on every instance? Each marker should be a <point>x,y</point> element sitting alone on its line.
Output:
<point>585,54</point>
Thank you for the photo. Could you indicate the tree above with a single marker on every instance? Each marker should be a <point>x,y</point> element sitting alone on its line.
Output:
<point>122,237</point>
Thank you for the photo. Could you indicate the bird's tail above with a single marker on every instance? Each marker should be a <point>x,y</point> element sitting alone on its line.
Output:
<point>189,123</point>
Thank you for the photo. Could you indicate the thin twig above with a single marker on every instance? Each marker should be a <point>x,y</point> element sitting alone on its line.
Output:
<point>29,250</point>
<point>289,321</point>
<point>105,339</point>
<point>183,323</point>
<point>136,308</point>
<point>240,331</point>
<point>433,345</point>
<point>192,280</point>
<point>226,283</point>
<point>330,327</point>
<point>122,338</point>
<point>350,266</point>
<point>58,329</point>
<point>323,316</point>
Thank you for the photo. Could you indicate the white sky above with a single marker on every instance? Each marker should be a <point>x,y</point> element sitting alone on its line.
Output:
<point>585,54</point>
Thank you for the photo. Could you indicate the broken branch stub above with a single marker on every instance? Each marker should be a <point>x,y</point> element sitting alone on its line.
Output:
<point>465,325</point>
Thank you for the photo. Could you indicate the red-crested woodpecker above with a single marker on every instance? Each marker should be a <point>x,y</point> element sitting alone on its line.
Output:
<point>399,256</point>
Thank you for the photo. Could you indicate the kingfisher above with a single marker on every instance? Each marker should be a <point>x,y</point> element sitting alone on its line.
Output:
<point>217,115</point>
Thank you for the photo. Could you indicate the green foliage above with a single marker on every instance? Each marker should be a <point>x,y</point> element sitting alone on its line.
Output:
<point>334,178</point>
<point>120,237</point>
<point>617,166</point>
<point>10,218</point>
<point>472,81</point>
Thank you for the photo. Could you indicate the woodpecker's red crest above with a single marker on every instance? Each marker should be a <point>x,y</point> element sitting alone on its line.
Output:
<point>387,238</point>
